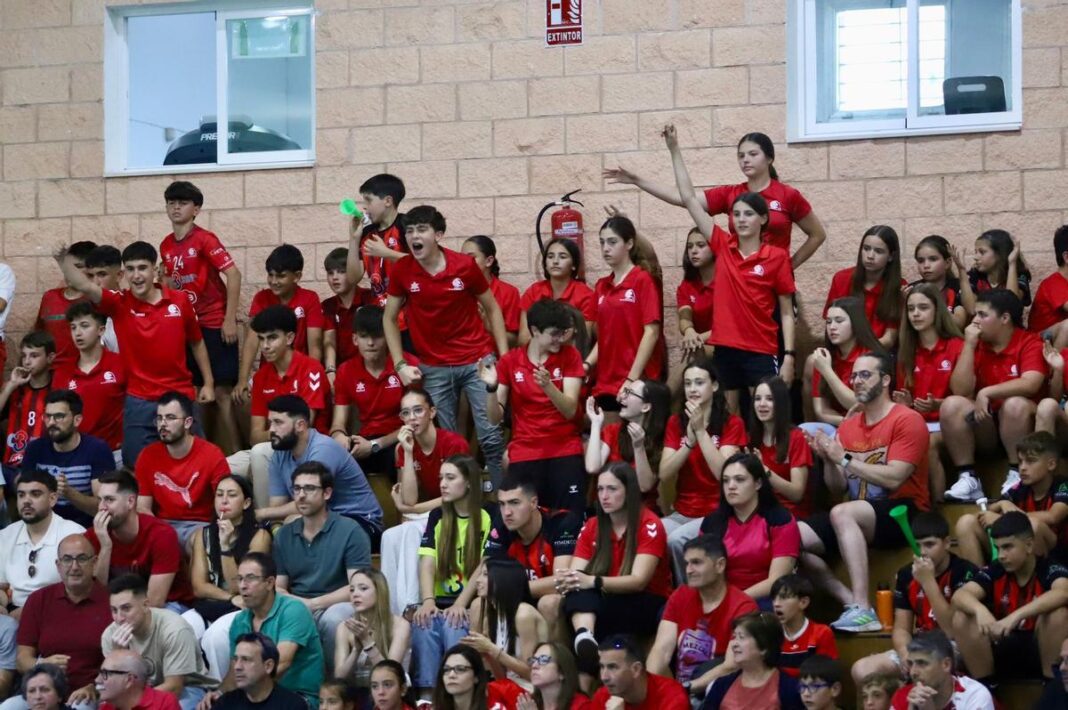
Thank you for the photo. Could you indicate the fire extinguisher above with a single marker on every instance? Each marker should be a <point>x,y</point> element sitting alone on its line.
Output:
<point>566,224</point>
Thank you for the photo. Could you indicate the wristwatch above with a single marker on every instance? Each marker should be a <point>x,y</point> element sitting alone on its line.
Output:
<point>375,446</point>
<point>846,460</point>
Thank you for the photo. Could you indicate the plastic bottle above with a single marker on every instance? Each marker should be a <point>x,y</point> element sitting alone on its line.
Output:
<point>884,606</point>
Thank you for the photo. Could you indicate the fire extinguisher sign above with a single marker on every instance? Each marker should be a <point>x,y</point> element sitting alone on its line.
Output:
<point>563,22</point>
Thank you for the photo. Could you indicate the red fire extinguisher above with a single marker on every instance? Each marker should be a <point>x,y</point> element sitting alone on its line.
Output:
<point>566,224</point>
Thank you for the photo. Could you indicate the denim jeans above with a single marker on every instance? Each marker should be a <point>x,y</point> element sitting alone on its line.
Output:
<point>429,646</point>
<point>445,385</point>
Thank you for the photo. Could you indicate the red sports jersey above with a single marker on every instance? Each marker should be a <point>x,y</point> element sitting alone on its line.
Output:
<point>703,636</point>
<point>153,338</point>
<point>155,550</point>
<point>25,421</point>
<point>814,638</point>
<point>909,595</point>
<point>556,538</point>
<point>428,465</point>
<point>798,455</point>
<point>931,373</point>
<point>1022,354</point>
<point>698,297</point>
<point>785,207</point>
<point>843,367</point>
<point>338,318</point>
<point>1049,306</point>
<point>182,489</point>
<point>539,430</point>
<point>697,488</point>
<point>1005,594</point>
<point>576,293</point>
<point>304,377</point>
<point>981,282</point>
<point>610,437</point>
<point>842,286</point>
<point>305,305</point>
<point>442,309</point>
<point>193,265</point>
<point>660,694</point>
<point>899,436</point>
<point>622,312</point>
<point>753,545</point>
<point>377,399</point>
<point>52,318</point>
<point>103,393</point>
<point>379,270</point>
<point>747,292</point>
<point>507,297</point>
<point>652,540</point>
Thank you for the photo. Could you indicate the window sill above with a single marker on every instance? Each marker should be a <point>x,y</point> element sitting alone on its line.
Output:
<point>872,134</point>
<point>207,168</point>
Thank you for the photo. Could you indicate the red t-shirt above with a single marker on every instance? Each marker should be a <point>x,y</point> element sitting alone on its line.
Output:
<point>442,309</point>
<point>377,399</point>
<point>798,455</point>
<point>652,540</point>
<point>155,550</point>
<point>305,377</point>
<point>753,544</point>
<point>153,338</point>
<point>182,489</point>
<point>698,297</point>
<point>151,699</point>
<point>539,430</point>
<point>25,421</point>
<point>1048,307</point>
<point>103,393</point>
<point>52,318</point>
<point>899,436</point>
<point>193,266</point>
<point>1022,354</point>
<point>703,636</point>
<point>814,639</point>
<point>507,297</point>
<point>428,465</point>
<point>305,305</point>
<point>697,489</point>
<point>843,367</point>
<point>338,318</point>
<point>660,694</point>
<point>842,286</point>
<point>785,207</point>
<point>576,293</point>
<point>747,292</point>
<point>623,311</point>
<point>931,373</point>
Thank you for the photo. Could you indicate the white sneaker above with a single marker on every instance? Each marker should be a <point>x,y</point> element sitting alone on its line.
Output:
<point>966,489</point>
<point>1012,479</point>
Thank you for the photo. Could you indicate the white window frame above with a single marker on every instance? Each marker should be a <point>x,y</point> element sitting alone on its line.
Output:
<point>117,80</point>
<point>802,88</point>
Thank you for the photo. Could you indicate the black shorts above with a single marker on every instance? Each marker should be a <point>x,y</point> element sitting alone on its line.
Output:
<point>561,481</point>
<point>740,369</point>
<point>608,403</point>
<point>820,523</point>
<point>1016,656</point>
<point>222,356</point>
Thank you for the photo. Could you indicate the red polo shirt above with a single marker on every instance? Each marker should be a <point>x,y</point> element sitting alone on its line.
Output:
<point>305,305</point>
<point>377,399</point>
<point>576,293</point>
<point>153,338</point>
<point>442,309</point>
<point>1022,354</point>
<point>52,318</point>
<point>697,488</point>
<point>747,291</point>
<point>785,207</point>
<point>1048,307</point>
<point>652,540</point>
<point>182,489</point>
<point>798,455</point>
<point>623,310</point>
<point>931,373</point>
<point>53,624</point>
<point>338,318</point>
<point>698,297</point>
<point>151,699</point>
<point>507,297</point>
<point>305,377</point>
<point>842,286</point>
<point>428,465</point>
<point>843,367</point>
<point>103,393</point>
<point>193,266</point>
<point>539,430</point>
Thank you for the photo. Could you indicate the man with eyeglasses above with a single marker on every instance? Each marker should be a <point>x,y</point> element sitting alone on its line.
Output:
<point>62,623</point>
<point>295,443</point>
<point>878,460</point>
<point>76,460</point>
<point>28,548</point>
<point>177,475</point>
<point>123,685</point>
<point>280,617</point>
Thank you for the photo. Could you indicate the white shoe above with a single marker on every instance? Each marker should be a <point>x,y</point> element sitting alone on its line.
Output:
<point>966,489</point>
<point>1012,479</point>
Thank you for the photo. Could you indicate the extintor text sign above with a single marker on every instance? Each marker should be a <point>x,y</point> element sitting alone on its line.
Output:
<point>563,22</point>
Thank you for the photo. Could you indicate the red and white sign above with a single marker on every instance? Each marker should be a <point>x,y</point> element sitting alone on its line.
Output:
<point>563,22</point>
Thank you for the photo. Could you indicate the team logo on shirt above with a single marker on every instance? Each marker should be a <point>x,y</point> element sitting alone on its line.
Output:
<point>299,311</point>
<point>945,366</point>
<point>109,377</point>
<point>162,479</point>
<point>572,489</point>
<point>557,374</point>
<point>629,296</point>
<point>414,287</point>
<point>758,270</point>
<point>174,311</point>
<point>457,284</point>
<point>1014,371</point>
<point>600,300</point>
<point>314,382</point>
<point>775,205</point>
<point>393,382</point>
<point>72,385</point>
<point>519,377</point>
<point>360,388</point>
<point>650,529</point>
<point>192,251</point>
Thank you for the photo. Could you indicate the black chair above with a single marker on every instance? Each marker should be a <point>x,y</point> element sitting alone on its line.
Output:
<point>973,94</point>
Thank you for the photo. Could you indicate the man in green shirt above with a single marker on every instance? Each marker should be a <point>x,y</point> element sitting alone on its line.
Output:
<point>285,620</point>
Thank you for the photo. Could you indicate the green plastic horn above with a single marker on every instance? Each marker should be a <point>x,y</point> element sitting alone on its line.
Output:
<point>348,207</point>
<point>901,515</point>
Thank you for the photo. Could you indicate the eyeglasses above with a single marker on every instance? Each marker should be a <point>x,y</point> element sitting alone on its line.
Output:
<point>32,571</point>
<point>67,560</point>
<point>309,489</point>
<point>542,660</point>
<point>628,392</point>
<point>169,418</point>
<point>106,673</point>
<point>413,412</point>
<point>250,578</point>
<point>812,687</point>
<point>458,670</point>
<point>861,375</point>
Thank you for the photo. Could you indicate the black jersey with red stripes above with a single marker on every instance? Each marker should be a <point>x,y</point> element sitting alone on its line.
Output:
<point>557,538</point>
<point>1005,594</point>
<point>25,421</point>
<point>909,595</point>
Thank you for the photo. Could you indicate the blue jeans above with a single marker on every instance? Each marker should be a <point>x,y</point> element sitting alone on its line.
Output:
<point>429,646</point>
<point>191,697</point>
<point>445,385</point>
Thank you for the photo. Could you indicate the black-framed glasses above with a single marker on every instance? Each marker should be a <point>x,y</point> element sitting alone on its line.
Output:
<point>542,660</point>
<point>68,560</point>
<point>628,392</point>
<point>812,687</point>
<point>306,488</point>
<point>106,673</point>
<point>32,571</point>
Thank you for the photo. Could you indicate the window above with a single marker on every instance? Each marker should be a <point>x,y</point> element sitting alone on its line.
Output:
<point>878,68</point>
<point>175,73</point>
